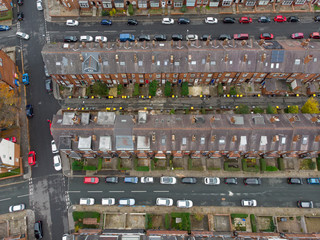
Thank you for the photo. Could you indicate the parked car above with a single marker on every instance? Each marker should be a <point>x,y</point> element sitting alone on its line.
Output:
<point>229,20</point>
<point>20,16</point>
<point>25,79</point>
<point>266,36</point>
<point>164,202</point>
<point>127,202</point>
<point>184,203</point>
<point>29,111</point>
<point>48,85</point>
<point>305,204</point>
<point>132,22</point>
<point>182,20</point>
<point>146,180</point>
<point>317,18</point>
<point>167,21</point>
<point>32,158</point>
<point>191,37</point>
<point>241,36</point>
<point>294,180</point>
<point>38,231</point>
<point>205,37</point>
<point>86,38</point>
<point>224,36</point>
<point>108,201</point>
<point>231,180</point>
<point>54,148</point>
<point>101,38</point>
<point>160,37</point>
<point>4,28</point>
<point>57,162</point>
<point>106,22</point>
<point>17,208</point>
<point>315,35</point>
<point>39,5</point>
<point>252,181</point>
<point>211,180</point>
<point>91,180</point>
<point>248,203</point>
<point>11,139</point>
<point>131,180</point>
<point>280,18</point>
<point>86,201</point>
<point>144,37</point>
<point>168,180</point>
<point>111,179</point>
<point>70,39</point>
<point>20,2</point>
<point>23,35</point>
<point>176,37</point>
<point>297,35</point>
<point>245,20</point>
<point>293,19</point>
<point>72,23</point>
<point>264,19</point>
<point>189,180</point>
<point>210,20</point>
<point>313,180</point>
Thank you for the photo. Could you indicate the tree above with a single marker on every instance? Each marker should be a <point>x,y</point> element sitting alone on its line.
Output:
<point>184,89</point>
<point>233,91</point>
<point>167,89</point>
<point>153,86</point>
<point>99,89</point>
<point>130,9</point>
<point>220,89</point>
<point>136,90</point>
<point>311,106</point>
<point>243,109</point>
<point>271,110</point>
<point>293,109</point>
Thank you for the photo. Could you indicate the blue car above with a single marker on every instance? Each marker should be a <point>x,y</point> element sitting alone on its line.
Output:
<point>106,22</point>
<point>25,79</point>
<point>4,28</point>
<point>131,180</point>
<point>313,180</point>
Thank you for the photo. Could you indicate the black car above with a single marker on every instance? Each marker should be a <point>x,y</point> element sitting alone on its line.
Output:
<point>20,2</point>
<point>224,36</point>
<point>144,37</point>
<point>317,18</point>
<point>183,21</point>
<point>252,181</point>
<point>293,19</point>
<point>112,179</point>
<point>189,180</point>
<point>48,84</point>
<point>205,37</point>
<point>20,16</point>
<point>177,37</point>
<point>70,39</point>
<point>38,232</point>
<point>295,180</point>
<point>132,22</point>
<point>264,19</point>
<point>231,180</point>
<point>229,20</point>
<point>160,37</point>
<point>29,110</point>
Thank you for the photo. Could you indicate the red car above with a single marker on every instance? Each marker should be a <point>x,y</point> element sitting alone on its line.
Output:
<point>245,20</point>
<point>266,36</point>
<point>91,180</point>
<point>315,35</point>
<point>32,158</point>
<point>280,18</point>
<point>11,139</point>
<point>297,35</point>
<point>241,36</point>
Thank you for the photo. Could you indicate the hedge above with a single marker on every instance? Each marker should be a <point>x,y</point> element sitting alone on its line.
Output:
<point>149,221</point>
<point>253,223</point>
<point>263,164</point>
<point>226,167</point>
<point>318,163</point>
<point>167,221</point>
<point>280,164</point>
<point>238,215</point>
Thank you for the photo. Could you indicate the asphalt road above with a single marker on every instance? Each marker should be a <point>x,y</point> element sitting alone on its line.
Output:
<point>13,195</point>
<point>273,192</point>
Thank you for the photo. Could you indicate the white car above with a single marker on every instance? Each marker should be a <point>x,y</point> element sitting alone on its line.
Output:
<point>192,37</point>
<point>127,202</point>
<point>146,180</point>
<point>57,162</point>
<point>72,23</point>
<point>86,201</point>
<point>168,180</point>
<point>211,20</point>
<point>17,208</point>
<point>164,202</point>
<point>100,38</point>
<point>39,5</point>
<point>184,203</point>
<point>167,21</point>
<point>86,38</point>
<point>23,35</point>
<point>248,203</point>
<point>108,201</point>
<point>54,148</point>
<point>211,181</point>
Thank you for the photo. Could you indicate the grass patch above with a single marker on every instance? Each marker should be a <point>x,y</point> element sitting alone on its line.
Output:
<point>272,169</point>
<point>191,167</point>
<point>12,173</point>
<point>227,167</point>
<point>79,216</point>
<point>280,164</point>
<point>185,223</point>
<point>6,15</point>
<point>238,215</point>
<point>99,164</point>
<point>89,168</point>
<point>318,163</point>
<point>77,165</point>
<point>140,168</point>
<point>253,223</point>
<point>271,227</point>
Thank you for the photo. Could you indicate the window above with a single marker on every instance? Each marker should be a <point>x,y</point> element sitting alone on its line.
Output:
<point>106,76</point>
<point>176,63</point>
<point>133,75</point>
<point>297,62</point>
<point>119,5</point>
<point>115,75</point>
<point>213,63</point>
<point>158,63</point>
<point>272,65</point>
<point>165,62</point>
<point>193,62</point>
<point>178,4</point>
<point>140,63</point>
<point>192,75</point>
<point>277,65</point>
<point>315,59</point>
<point>175,75</point>
<point>73,76</point>
<point>185,75</point>
<point>208,79</point>
<point>105,63</point>
<point>123,75</point>
<point>109,81</point>
<point>222,141</point>
<point>230,62</point>
<point>249,62</point>
<point>107,5</point>
<point>83,4</point>
<point>141,81</point>
<point>122,63</point>
<point>1,62</point>
<point>158,76</point>
<point>167,75</point>
<point>202,140</point>
<point>210,75</point>
<point>154,4</point>
<point>203,61</point>
<point>227,75</point>
<point>184,141</point>
<point>140,75</point>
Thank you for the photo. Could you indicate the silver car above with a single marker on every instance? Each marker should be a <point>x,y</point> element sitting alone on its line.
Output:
<point>168,180</point>
<point>86,38</point>
<point>211,181</point>
<point>127,202</point>
<point>164,202</point>
<point>17,208</point>
<point>108,201</point>
<point>146,179</point>
<point>184,203</point>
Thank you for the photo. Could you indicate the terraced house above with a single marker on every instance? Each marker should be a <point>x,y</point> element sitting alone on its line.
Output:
<point>200,62</point>
<point>107,135</point>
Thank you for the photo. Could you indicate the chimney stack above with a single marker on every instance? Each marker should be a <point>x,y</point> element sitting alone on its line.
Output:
<point>308,59</point>
<point>189,58</point>
<point>245,57</point>
<point>81,57</point>
<point>117,58</point>
<point>171,58</point>
<point>135,58</point>
<point>152,58</point>
<point>226,58</point>
<point>263,57</point>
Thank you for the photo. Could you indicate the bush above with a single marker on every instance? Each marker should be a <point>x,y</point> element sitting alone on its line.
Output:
<point>280,164</point>
<point>100,89</point>
<point>105,13</point>
<point>168,89</point>
<point>136,90</point>
<point>172,111</point>
<point>248,169</point>
<point>233,91</point>
<point>90,168</point>
<point>232,169</point>
<point>149,221</point>
<point>183,9</point>
<point>272,169</point>
<point>263,165</point>
<point>153,86</point>
<point>100,164</point>
<point>220,89</point>
<point>119,89</point>
<point>257,110</point>
<point>271,110</point>
<point>184,89</point>
<point>318,163</point>
<point>253,223</point>
<point>189,163</point>
<point>238,215</point>
<point>130,9</point>
<point>167,221</point>
<point>242,109</point>
<point>203,110</point>
<point>207,7</point>
<point>312,165</point>
<point>77,165</point>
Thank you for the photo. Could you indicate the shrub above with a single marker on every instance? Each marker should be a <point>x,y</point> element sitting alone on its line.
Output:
<point>105,13</point>
<point>90,168</point>
<point>220,89</point>
<point>238,215</point>
<point>312,165</point>
<point>253,223</point>
<point>183,9</point>
<point>280,164</point>
<point>242,109</point>
<point>318,163</point>
<point>293,109</point>
<point>263,164</point>
<point>149,221</point>
<point>271,110</point>
<point>119,89</point>
<point>153,86</point>
<point>198,216</point>
<point>207,7</point>
<point>233,91</point>
<point>100,164</point>
<point>258,110</point>
<point>203,110</point>
<point>99,89</point>
<point>248,169</point>
<point>167,89</point>
<point>189,163</point>
<point>184,89</point>
<point>130,9</point>
<point>272,169</point>
<point>77,165</point>
<point>136,90</point>
<point>167,221</point>
<point>172,111</point>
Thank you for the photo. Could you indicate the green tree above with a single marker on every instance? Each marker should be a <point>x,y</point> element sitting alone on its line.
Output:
<point>271,110</point>
<point>136,90</point>
<point>220,89</point>
<point>168,89</point>
<point>153,86</point>
<point>183,8</point>
<point>184,89</point>
<point>233,91</point>
<point>293,109</point>
<point>99,89</point>
<point>311,106</point>
<point>243,109</point>
<point>130,9</point>
<point>258,110</point>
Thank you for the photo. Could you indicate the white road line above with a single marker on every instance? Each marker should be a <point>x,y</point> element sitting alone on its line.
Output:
<point>138,191</point>
<point>24,195</point>
<point>73,191</point>
<point>116,191</point>
<point>110,31</point>
<point>91,31</point>
<point>5,199</point>
<point>94,191</point>
<point>53,31</point>
<point>128,30</point>
<point>160,191</point>
<point>72,31</point>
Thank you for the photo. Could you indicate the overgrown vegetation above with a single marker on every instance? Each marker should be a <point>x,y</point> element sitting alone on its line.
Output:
<point>242,109</point>
<point>79,216</point>
<point>153,86</point>
<point>130,9</point>
<point>184,225</point>
<point>119,89</point>
<point>136,90</point>
<point>293,109</point>
<point>311,106</point>
<point>184,89</point>
<point>245,167</point>
<point>253,223</point>
<point>168,89</point>
<point>257,110</point>
<point>77,165</point>
<point>233,91</point>
<point>271,110</point>
<point>230,166</point>
<point>12,173</point>
<point>280,164</point>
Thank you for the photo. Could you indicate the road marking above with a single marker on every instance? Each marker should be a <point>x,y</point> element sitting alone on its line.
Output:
<point>94,191</point>
<point>116,191</point>
<point>91,31</point>
<point>5,199</point>
<point>128,30</point>
<point>110,31</point>
<point>73,191</point>
<point>72,31</point>
<point>138,191</point>
<point>24,195</point>
<point>160,191</point>
<point>54,31</point>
